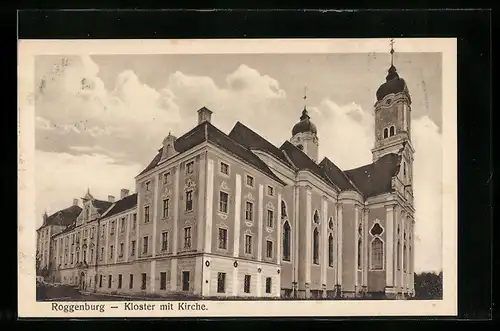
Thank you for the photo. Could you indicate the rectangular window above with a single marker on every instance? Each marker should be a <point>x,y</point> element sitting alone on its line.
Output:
<point>249,211</point>
<point>269,249</point>
<point>165,208</point>
<point>224,168</point>
<point>189,200</point>
<point>187,237</point>
<point>112,230</point>
<point>110,280</point>
<point>166,178</point>
<point>248,244</point>
<point>100,280</point>
<point>268,284</point>
<point>223,198</point>
<point>270,218</point>
<point>131,281</point>
<point>164,241</point>
<point>270,190</point>
<point>221,282</point>
<point>143,281</point>
<point>122,224</point>
<point>146,214</point>
<point>119,281</point>
<point>102,254</point>
<point>185,280</point>
<point>134,221</point>
<point>103,230</point>
<point>111,251</point>
<point>72,258</point>
<point>223,238</point>
<point>91,258</point>
<point>132,251</point>
<point>145,244</point>
<point>163,280</point>
<point>121,249</point>
<point>147,185</point>
<point>250,181</point>
<point>189,167</point>
<point>77,257</point>
<point>246,285</point>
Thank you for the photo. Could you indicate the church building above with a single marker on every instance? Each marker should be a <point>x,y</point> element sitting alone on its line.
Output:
<point>232,215</point>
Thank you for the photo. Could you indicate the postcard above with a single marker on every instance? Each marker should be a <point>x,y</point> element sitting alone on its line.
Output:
<point>237,178</point>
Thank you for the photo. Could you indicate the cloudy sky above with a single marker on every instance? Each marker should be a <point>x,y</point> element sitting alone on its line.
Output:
<point>100,119</point>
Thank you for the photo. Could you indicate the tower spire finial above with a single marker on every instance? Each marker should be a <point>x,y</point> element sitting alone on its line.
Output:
<point>305,97</point>
<point>392,52</point>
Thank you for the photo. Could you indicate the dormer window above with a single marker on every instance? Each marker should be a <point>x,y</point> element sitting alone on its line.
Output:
<point>386,133</point>
<point>392,131</point>
<point>166,178</point>
<point>147,185</point>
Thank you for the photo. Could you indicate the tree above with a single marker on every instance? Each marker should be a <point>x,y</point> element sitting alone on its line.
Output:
<point>38,265</point>
<point>429,286</point>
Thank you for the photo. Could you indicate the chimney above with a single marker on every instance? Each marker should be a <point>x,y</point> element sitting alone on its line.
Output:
<point>204,114</point>
<point>111,198</point>
<point>123,193</point>
<point>45,218</point>
<point>75,202</point>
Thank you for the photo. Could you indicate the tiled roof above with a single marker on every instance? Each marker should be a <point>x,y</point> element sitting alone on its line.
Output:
<point>101,205</point>
<point>63,217</point>
<point>303,162</point>
<point>245,136</point>
<point>121,205</point>
<point>207,132</point>
<point>336,175</point>
<point>376,178</point>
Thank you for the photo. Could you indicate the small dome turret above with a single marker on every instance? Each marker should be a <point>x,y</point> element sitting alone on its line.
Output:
<point>305,124</point>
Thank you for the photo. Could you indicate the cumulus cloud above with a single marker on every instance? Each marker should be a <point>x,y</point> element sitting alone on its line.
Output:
<point>60,177</point>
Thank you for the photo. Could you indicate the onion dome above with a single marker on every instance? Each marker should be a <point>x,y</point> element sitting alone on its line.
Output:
<point>394,84</point>
<point>305,124</point>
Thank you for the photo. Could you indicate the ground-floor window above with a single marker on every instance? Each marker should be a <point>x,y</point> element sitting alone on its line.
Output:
<point>268,285</point>
<point>163,280</point>
<point>100,280</point>
<point>221,282</point>
<point>143,284</point>
<point>120,281</point>
<point>110,279</point>
<point>185,280</point>
<point>246,284</point>
<point>131,281</point>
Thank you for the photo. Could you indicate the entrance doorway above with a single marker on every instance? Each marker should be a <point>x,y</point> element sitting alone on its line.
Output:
<point>82,281</point>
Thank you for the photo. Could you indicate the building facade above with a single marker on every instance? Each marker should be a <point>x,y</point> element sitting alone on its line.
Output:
<point>218,215</point>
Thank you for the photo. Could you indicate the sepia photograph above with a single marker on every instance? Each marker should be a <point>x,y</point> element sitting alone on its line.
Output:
<point>170,176</point>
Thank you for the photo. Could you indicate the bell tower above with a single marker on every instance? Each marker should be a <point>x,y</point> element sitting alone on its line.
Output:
<point>393,121</point>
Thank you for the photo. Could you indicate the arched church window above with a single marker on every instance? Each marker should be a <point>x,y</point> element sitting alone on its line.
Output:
<point>360,250</point>
<point>316,246</point>
<point>392,131</point>
<point>330,250</point>
<point>330,223</point>
<point>398,256</point>
<point>286,241</point>
<point>283,209</point>
<point>316,217</point>
<point>377,250</point>
<point>386,133</point>
<point>404,258</point>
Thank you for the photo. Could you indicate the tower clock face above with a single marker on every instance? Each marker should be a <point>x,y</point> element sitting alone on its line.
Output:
<point>388,101</point>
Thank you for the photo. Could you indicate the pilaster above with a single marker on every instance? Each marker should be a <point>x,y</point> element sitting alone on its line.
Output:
<point>154,206</point>
<point>339,243</point>
<point>175,219</point>
<point>308,230</point>
<point>237,219</point>
<point>127,238</point>
<point>324,251</point>
<point>260,214</point>
<point>115,253</point>
<point>389,253</point>
<point>209,206</point>
<point>366,261</point>
<point>279,233</point>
